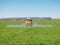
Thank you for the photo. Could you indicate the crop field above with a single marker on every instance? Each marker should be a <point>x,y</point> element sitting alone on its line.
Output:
<point>30,35</point>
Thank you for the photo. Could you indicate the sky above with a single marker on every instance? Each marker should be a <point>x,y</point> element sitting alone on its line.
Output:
<point>29,8</point>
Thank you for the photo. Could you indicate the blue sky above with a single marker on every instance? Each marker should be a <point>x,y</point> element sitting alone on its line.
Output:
<point>29,8</point>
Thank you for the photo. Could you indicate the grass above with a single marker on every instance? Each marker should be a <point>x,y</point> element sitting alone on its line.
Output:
<point>30,35</point>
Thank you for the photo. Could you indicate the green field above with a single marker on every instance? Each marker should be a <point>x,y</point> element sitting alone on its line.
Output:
<point>30,35</point>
